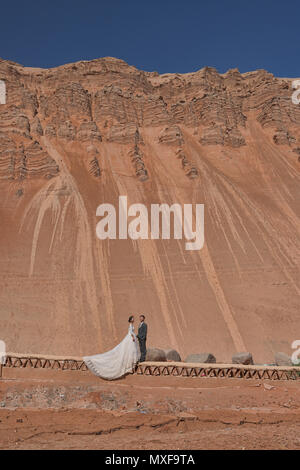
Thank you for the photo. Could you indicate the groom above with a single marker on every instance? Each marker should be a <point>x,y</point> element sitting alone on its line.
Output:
<point>142,337</point>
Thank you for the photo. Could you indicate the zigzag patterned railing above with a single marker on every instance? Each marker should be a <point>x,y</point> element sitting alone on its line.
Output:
<point>37,361</point>
<point>175,369</point>
<point>218,370</point>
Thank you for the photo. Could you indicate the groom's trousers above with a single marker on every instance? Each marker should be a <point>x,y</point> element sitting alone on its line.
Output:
<point>143,350</point>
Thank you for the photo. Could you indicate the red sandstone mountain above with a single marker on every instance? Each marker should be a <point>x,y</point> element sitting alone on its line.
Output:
<point>82,134</point>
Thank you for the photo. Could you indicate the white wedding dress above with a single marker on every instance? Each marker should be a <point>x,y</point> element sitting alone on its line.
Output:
<point>117,362</point>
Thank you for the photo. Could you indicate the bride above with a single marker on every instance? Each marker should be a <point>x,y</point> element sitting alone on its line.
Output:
<point>120,360</point>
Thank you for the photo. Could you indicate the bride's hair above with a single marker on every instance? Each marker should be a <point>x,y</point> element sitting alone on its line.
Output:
<point>130,318</point>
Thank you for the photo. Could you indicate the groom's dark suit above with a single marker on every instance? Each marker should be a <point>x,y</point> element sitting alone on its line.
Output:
<point>142,337</point>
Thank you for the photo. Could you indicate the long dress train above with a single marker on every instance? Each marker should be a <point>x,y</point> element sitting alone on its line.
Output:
<point>117,362</point>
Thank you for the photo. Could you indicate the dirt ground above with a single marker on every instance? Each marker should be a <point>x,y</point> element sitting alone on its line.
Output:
<point>64,411</point>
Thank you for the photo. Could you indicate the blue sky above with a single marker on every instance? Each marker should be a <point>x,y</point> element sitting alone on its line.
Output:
<point>166,36</point>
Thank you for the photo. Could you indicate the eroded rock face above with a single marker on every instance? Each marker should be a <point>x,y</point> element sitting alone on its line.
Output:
<point>171,136</point>
<point>83,134</point>
<point>297,150</point>
<point>88,131</point>
<point>69,100</point>
<point>136,156</point>
<point>212,136</point>
<point>125,134</point>
<point>95,167</point>
<point>283,137</point>
<point>18,162</point>
<point>217,135</point>
<point>66,130</point>
<point>279,112</point>
<point>14,121</point>
<point>36,127</point>
<point>190,168</point>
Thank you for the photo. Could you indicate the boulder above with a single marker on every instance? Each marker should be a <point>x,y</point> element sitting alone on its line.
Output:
<point>242,358</point>
<point>172,355</point>
<point>155,355</point>
<point>201,358</point>
<point>282,359</point>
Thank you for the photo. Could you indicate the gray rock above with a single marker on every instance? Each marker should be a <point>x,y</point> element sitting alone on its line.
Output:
<point>282,359</point>
<point>201,358</point>
<point>242,358</point>
<point>172,355</point>
<point>155,355</point>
